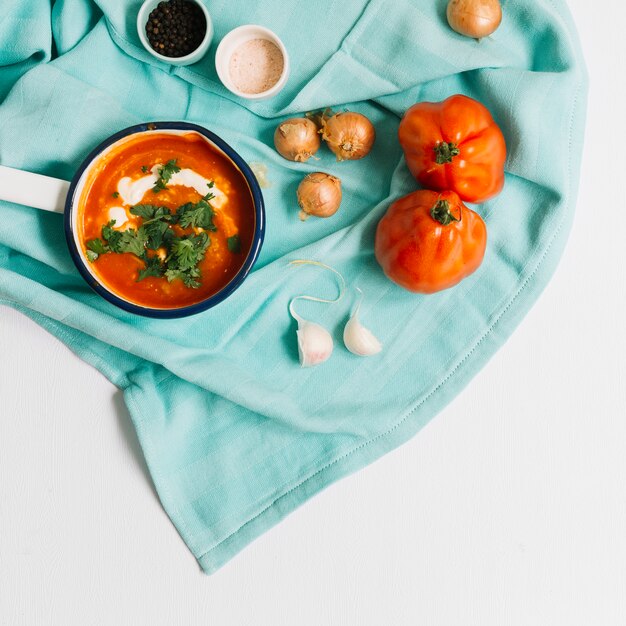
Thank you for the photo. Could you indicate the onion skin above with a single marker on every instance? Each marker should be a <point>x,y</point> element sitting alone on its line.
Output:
<point>474,18</point>
<point>297,139</point>
<point>349,135</point>
<point>319,194</point>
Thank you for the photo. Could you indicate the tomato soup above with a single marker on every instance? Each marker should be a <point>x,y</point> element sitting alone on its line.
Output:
<point>165,220</point>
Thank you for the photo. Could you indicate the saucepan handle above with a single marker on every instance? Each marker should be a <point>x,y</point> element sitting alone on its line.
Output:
<point>34,190</point>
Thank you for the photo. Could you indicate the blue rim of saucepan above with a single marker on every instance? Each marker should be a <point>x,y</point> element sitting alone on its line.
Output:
<point>235,282</point>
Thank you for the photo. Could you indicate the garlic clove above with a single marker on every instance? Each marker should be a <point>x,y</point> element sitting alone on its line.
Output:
<point>315,345</point>
<point>358,339</point>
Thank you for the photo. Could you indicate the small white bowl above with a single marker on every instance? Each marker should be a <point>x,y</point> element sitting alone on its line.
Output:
<point>193,57</point>
<point>236,38</point>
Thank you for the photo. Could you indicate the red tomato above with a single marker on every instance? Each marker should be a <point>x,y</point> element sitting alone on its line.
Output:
<point>454,144</point>
<point>429,241</point>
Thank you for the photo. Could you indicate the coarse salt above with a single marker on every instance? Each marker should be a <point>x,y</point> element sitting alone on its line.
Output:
<point>256,66</point>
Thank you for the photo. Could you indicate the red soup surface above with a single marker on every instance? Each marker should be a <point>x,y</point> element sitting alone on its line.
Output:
<point>133,174</point>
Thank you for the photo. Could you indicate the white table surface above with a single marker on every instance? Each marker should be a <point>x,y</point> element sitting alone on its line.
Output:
<point>508,509</point>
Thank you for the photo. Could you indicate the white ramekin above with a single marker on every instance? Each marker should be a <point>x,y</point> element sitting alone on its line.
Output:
<point>232,41</point>
<point>193,57</point>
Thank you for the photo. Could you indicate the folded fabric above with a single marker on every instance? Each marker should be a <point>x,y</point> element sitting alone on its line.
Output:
<point>235,433</point>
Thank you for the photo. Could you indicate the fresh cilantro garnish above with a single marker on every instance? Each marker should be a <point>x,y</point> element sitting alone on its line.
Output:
<point>185,255</point>
<point>210,195</point>
<point>144,169</point>
<point>146,211</point>
<point>151,212</point>
<point>165,174</point>
<point>188,277</point>
<point>96,247</point>
<point>234,244</point>
<point>186,252</point>
<point>154,267</point>
<point>107,230</point>
<point>163,229</point>
<point>116,194</point>
<point>198,215</point>
<point>130,240</point>
<point>157,233</point>
<point>112,236</point>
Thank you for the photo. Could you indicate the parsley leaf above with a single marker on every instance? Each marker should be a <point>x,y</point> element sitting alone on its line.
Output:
<point>153,268</point>
<point>234,244</point>
<point>96,247</point>
<point>199,215</point>
<point>134,241</point>
<point>187,252</point>
<point>116,194</point>
<point>131,240</point>
<point>151,212</point>
<point>184,253</point>
<point>144,169</point>
<point>172,275</point>
<point>146,211</point>
<point>165,174</point>
<point>156,231</point>
<point>189,277</point>
<point>210,195</point>
<point>111,236</point>
<point>107,230</point>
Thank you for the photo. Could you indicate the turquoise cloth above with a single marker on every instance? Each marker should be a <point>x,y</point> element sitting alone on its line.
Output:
<point>235,433</point>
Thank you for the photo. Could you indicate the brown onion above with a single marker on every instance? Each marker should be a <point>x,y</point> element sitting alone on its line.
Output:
<point>349,135</point>
<point>319,194</point>
<point>474,18</point>
<point>297,139</point>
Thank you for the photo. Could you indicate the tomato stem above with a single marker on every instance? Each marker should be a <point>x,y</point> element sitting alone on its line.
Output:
<point>441,213</point>
<point>445,152</point>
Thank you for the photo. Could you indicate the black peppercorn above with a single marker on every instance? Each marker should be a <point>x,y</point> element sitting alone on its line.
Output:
<point>175,28</point>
